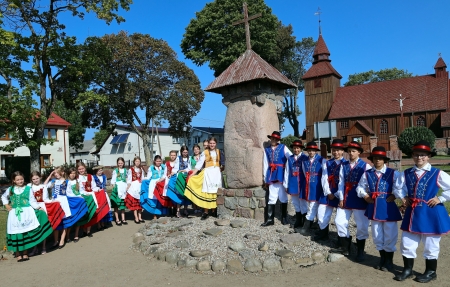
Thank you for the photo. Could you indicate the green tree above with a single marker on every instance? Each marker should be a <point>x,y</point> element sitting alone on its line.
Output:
<point>100,137</point>
<point>35,70</point>
<point>76,128</point>
<point>412,135</point>
<point>140,80</point>
<point>377,76</point>
<point>288,140</point>
<point>211,37</point>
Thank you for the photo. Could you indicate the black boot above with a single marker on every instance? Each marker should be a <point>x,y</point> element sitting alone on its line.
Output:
<point>380,265</point>
<point>389,264</point>
<point>284,219</point>
<point>360,245</point>
<point>306,227</point>
<point>407,272</point>
<point>344,246</point>
<point>430,271</point>
<point>298,219</point>
<point>322,234</point>
<point>270,215</point>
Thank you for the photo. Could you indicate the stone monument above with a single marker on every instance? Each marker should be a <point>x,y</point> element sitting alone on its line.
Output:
<point>253,92</point>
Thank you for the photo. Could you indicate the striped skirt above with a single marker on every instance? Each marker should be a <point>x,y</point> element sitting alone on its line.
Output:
<point>27,240</point>
<point>102,209</point>
<point>92,207</point>
<point>152,205</point>
<point>195,194</point>
<point>55,213</point>
<point>132,203</point>
<point>173,192</point>
<point>78,208</point>
<point>116,201</point>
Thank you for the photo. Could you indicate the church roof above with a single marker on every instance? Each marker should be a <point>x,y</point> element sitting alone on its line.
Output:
<point>440,64</point>
<point>321,47</point>
<point>248,67</point>
<point>445,119</point>
<point>422,93</point>
<point>321,69</point>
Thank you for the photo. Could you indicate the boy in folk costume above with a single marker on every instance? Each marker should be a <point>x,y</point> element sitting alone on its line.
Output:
<point>330,183</point>
<point>377,186</point>
<point>311,191</point>
<point>293,180</point>
<point>425,216</point>
<point>349,202</point>
<point>275,157</point>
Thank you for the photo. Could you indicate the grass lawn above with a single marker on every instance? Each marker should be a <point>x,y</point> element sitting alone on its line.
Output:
<point>3,217</point>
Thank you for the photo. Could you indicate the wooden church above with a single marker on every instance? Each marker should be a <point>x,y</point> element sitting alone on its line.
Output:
<point>373,110</point>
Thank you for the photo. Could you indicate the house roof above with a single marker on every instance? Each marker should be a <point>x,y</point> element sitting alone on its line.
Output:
<point>364,126</point>
<point>248,67</point>
<point>422,93</point>
<point>210,130</point>
<point>87,146</point>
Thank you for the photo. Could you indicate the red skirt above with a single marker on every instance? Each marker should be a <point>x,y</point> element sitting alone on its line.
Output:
<point>102,209</point>
<point>55,213</point>
<point>158,193</point>
<point>132,203</point>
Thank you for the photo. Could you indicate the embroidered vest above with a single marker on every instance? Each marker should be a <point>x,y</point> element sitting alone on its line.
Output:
<point>121,176</point>
<point>38,194</point>
<point>277,161</point>
<point>74,187</point>
<point>20,200</point>
<point>351,180</point>
<point>136,175</point>
<point>183,164</point>
<point>88,184</point>
<point>295,172</point>
<point>312,173</point>
<point>193,161</point>
<point>101,185</point>
<point>333,179</point>
<point>59,189</point>
<point>209,161</point>
<point>156,174</point>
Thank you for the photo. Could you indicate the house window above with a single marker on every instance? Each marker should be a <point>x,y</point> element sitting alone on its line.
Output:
<point>189,142</point>
<point>45,161</point>
<point>317,83</point>
<point>420,121</point>
<point>4,135</point>
<point>221,139</point>
<point>3,160</point>
<point>384,127</point>
<point>344,124</point>
<point>197,140</point>
<point>357,139</point>
<point>50,134</point>
<point>175,140</point>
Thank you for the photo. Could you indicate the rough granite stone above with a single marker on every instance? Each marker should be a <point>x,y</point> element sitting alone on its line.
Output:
<point>263,246</point>
<point>220,191</point>
<point>200,253</point>
<point>287,263</point>
<point>213,231</point>
<point>248,193</point>
<point>237,246</point>
<point>293,239</point>
<point>163,220</point>
<point>190,263</point>
<point>203,265</point>
<point>247,254</point>
<point>259,192</point>
<point>252,265</point>
<point>162,255</point>
<point>220,200</point>
<point>271,264</point>
<point>156,241</point>
<point>138,237</point>
<point>304,262</point>
<point>234,265</point>
<point>237,223</point>
<point>284,253</point>
<point>318,257</point>
<point>253,203</point>
<point>262,202</point>
<point>243,202</point>
<point>230,202</point>
<point>243,212</point>
<point>230,193</point>
<point>218,265</point>
<point>182,244</point>
<point>150,232</point>
<point>252,236</point>
<point>259,214</point>
<point>222,222</point>
<point>239,192</point>
<point>172,257</point>
<point>175,234</point>
<point>333,257</point>
<point>181,263</point>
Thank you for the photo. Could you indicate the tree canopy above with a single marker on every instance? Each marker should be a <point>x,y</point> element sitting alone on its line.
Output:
<point>35,68</point>
<point>377,76</point>
<point>140,80</point>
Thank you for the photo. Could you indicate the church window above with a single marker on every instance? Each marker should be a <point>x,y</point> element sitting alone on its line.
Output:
<point>420,121</point>
<point>344,124</point>
<point>317,83</point>
<point>383,126</point>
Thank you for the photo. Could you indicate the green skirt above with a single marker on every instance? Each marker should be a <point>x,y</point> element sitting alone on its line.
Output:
<point>116,202</point>
<point>24,241</point>
<point>92,207</point>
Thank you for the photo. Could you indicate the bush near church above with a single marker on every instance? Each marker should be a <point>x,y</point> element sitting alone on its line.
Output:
<point>288,140</point>
<point>412,135</point>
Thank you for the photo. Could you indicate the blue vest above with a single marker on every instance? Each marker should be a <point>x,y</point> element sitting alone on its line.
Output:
<point>157,174</point>
<point>380,189</point>
<point>420,218</point>
<point>101,185</point>
<point>59,189</point>
<point>333,179</point>
<point>351,180</point>
<point>277,161</point>
<point>183,165</point>
<point>312,175</point>
<point>295,171</point>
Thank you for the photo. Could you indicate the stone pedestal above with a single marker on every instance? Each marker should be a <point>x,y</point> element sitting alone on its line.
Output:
<point>246,202</point>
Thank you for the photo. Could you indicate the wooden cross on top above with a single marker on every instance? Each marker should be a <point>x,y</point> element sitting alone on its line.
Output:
<point>246,21</point>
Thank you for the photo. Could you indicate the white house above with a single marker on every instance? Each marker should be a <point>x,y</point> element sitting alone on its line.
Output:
<point>51,155</point>
<point>124,142</point>
<point>85,154</point>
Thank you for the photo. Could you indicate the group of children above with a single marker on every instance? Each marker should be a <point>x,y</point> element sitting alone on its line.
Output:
<point>318,185</point>
<point>67,199</point>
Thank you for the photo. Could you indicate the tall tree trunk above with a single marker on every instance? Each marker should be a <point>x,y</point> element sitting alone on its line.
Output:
<point>35,163</point>
<point>159,142</point>
<point>146,146</point>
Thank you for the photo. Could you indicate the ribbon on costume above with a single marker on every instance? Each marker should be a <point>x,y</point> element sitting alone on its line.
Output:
<point>375,194</point>
<point>348,186</point>
<point>19,210</point>
<point>308,177</point>
<point>331,181</point>
<point>416,201</point>
<point>273,167</point>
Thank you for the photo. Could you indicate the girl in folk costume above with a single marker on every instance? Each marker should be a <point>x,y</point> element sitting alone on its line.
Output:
<point>426,218</point>
<point>275,158</point>
<point>202,189</point>
<point>132,199</point>
<point>177,182</point>
<point>194,159</point>
<point>152,189</point>
<point>293,180</point>
<point>377,186</point>
<point>73,190</point>
<point>330,183</point>
<point>312,190</point>
<point>86,186</point>
<point>74,208</point>
<point>119,191</point>
<point>53,208</point>
<point>349,202</point>
<point>100,182</point>
<point>27,224</point>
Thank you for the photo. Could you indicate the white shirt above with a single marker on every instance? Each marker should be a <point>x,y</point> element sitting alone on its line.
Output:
<point>341,186</point>
<point>20,190</point>
<point>287,154</point>
<point>363,185</point>
<point>325,183</point>
<point>130,174</point>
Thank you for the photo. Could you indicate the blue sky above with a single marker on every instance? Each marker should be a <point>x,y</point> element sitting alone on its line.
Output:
<point>361,36</point>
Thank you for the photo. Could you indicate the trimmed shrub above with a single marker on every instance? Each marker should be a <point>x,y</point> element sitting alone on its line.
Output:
<point>412,135</point>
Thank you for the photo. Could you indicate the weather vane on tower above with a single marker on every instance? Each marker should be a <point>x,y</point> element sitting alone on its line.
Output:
<point>318,14</point>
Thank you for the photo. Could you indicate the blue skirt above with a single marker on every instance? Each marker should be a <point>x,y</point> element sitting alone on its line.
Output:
<point>108,218</point>
<point>174,195</point>
<point>78,208</point>
<point>151,205</point>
